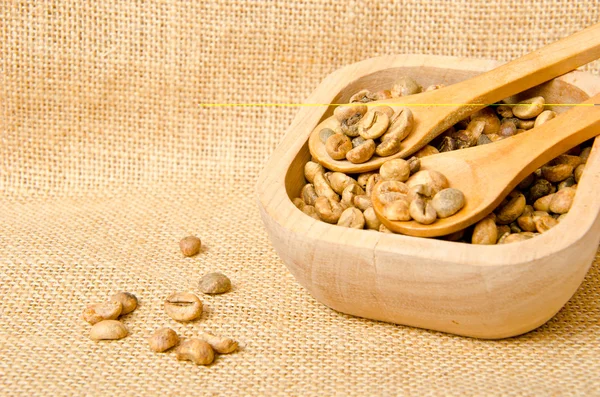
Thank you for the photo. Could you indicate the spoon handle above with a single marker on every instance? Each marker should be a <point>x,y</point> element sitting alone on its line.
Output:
<point>532,149</point>
<point>532,69</point>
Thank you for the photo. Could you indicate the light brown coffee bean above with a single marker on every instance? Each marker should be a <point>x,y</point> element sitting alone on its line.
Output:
<point>545,223</point>
<point>427,150</point>
<point>504,111</point>
<point>558,172</point>
<point>395,170</point>
<point>507,128</point>
<point>573,161</point>
<point>490,119</point>
<point>219,344</point>
<point>543,117</point>
<point>420,191</point>
<point>97,312</point>
<point>404,86</point>
<point>432,179</point>
<point>543,203</point>
<point>163,339</point>
<point>422,211</point>
<point>361,153</point>
<point>397,210</point>
<point>196,351</point>
<point>328,210</point>
<point>401,125</point>
<point>524,125</point>
<point>578,172</point>
<point>585,154</point>
<point>337,146</point>
<point>311,169</point>
<point>392,186</point>
<point>299,203</point>
<point>190,245</point>
<point>363,96</point>
<point>485,232</point>
<point>349,193</point>
<point>310,211</point>
<point>517,237</point>
<point>325,133</point>
<point>414,163</point>
<point>509,212</point>
<point>371,182</point>
<point>371,220</point>
<point>363,202</point>
<point>350,114</point>
<point>525,221</point>
<point>108,330</point>
<point>323,188</point>
<point>434,87</point>
<point>356,142</point>
<point>562,200</point>
<point>529,108</point>
<point>308,194</point>
<point>128,301</point>
<point>353,218</point>
<point>514,227</point>
<point>214,283</point>
<point>384,109</point>
<point>183,306</point>
<point>495,137</point>
<point>339,181</point>
<point>448,202</point>
<point>373,124</point>
<point>503,231</point>
<point>363,178</point>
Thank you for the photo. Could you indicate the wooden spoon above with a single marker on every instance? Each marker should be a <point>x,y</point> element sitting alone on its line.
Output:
<point>464,98</point>
<point>487,174</point>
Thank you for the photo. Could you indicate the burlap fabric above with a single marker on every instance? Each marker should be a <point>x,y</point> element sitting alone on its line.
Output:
<point>107,160</point>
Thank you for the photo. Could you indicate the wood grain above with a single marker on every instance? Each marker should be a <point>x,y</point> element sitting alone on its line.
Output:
<point>478,291</point>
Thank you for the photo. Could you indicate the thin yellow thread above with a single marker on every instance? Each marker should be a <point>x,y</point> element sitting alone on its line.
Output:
<point>380,104</point>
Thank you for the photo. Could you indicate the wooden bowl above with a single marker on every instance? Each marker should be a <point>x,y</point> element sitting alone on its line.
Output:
<point>473,290</point>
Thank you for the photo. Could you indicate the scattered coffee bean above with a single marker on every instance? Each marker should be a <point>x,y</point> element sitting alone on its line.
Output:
<point>183,306</point>
<point>220,345</point>
<point>196,351</point>
<point>163,339</point>
<point>190,245</point>
<point>214,283</point>
<point>128,301</point>
<point>98,312</point>
<point>108,330</point>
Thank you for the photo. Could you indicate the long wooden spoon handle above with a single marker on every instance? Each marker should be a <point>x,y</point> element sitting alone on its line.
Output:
<point>534,68</point>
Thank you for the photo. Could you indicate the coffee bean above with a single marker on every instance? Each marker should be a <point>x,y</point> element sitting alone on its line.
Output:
<point>448,202</point>
<point>214,283</point>
<point>190,245</point>
<point>97,312</point>
<point>196,351</point>
<point>219,344</point>
<point>163,339</point>
<point>108,330</point>
<point>128,301</point>
<point>183,306</point>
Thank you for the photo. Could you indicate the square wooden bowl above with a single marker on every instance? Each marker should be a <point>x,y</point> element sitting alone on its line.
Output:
<point>473,290</point>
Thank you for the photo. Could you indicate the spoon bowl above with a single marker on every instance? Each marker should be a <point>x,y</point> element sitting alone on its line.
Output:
<point>436,111</point>
<point>487,174</point>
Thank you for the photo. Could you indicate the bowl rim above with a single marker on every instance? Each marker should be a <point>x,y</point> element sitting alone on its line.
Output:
<point>274,201</point>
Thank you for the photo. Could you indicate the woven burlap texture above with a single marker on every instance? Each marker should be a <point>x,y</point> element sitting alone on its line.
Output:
<point>107,160</point>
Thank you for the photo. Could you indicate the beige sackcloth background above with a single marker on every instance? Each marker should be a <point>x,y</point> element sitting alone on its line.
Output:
<point>107,160</point>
